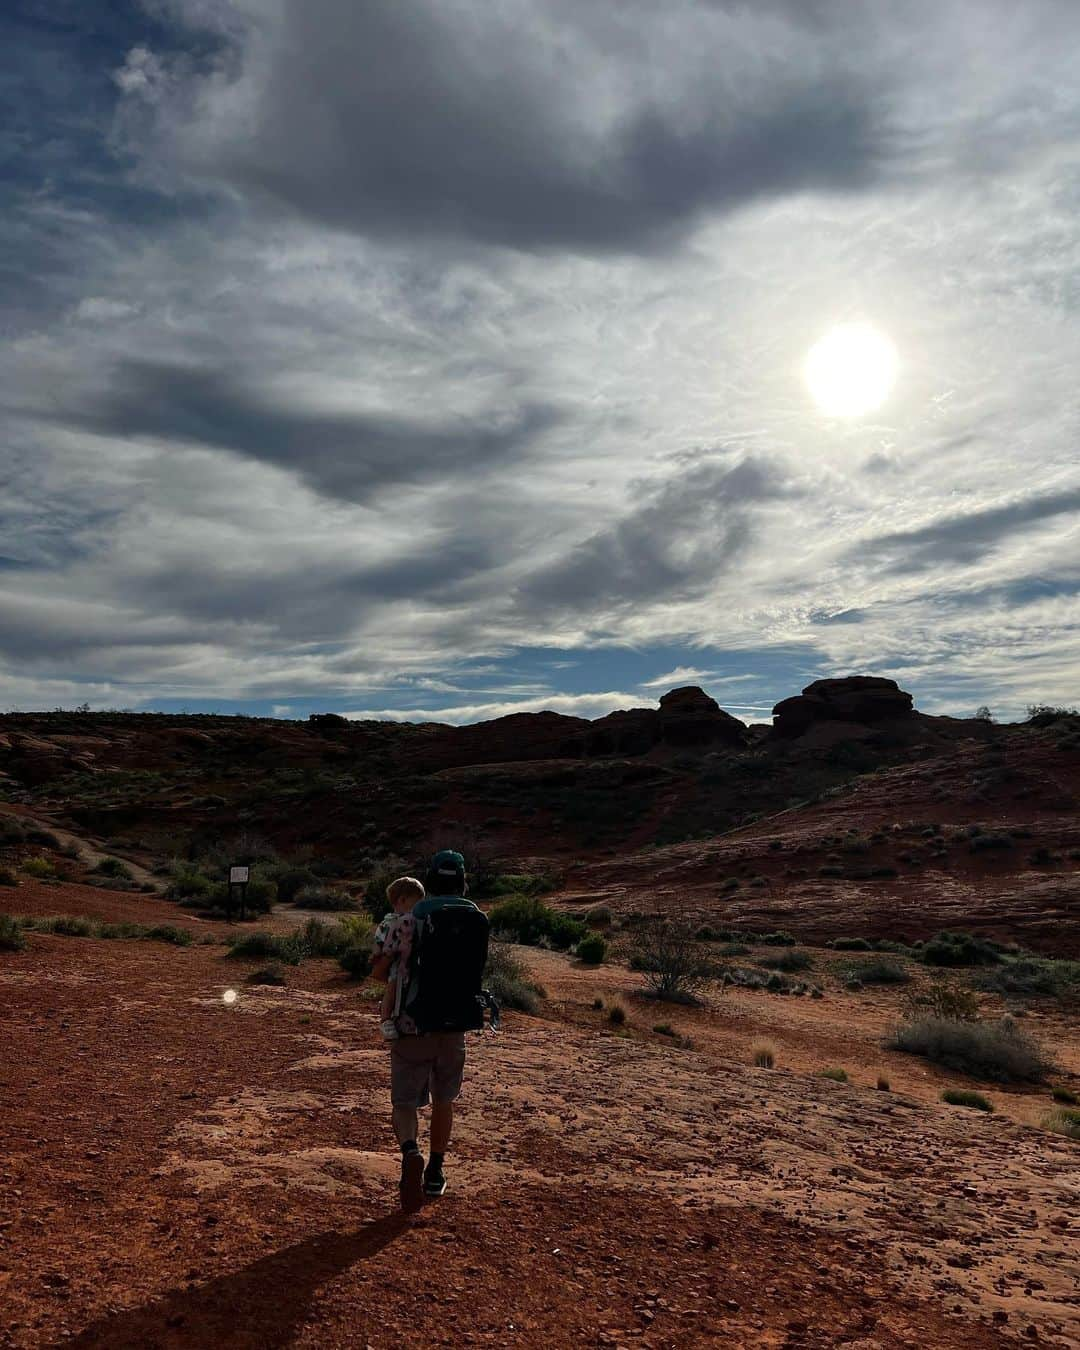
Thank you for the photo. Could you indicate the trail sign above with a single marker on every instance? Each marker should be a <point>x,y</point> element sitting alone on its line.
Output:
<point>238,884</point>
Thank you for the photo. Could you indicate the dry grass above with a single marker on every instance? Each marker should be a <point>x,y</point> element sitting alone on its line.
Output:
<point>764,1054</point>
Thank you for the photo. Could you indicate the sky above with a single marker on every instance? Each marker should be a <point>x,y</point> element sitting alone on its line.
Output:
<point>444,359</point>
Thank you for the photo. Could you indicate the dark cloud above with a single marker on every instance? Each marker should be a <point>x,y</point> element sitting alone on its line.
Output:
<point>550,126</point>
<point>672,546</point>
<point>347,456</point>
<point>967,538</point>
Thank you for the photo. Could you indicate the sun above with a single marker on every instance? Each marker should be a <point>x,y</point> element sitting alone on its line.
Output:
<point>851,370</point>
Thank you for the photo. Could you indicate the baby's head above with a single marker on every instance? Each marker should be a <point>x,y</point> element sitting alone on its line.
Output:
<point>404,893</point>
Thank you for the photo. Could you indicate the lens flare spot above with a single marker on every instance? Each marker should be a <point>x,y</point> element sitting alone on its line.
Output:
<point>229,996</point>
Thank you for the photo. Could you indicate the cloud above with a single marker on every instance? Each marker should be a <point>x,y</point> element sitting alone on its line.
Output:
<point>690,527</point>
<point>343,455</point>
<point>537,126</point>
<point>680,675</point>
<point>966,538</point>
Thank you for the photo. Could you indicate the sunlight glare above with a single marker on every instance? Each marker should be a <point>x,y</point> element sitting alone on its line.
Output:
<point>851,370</point>
<point>229,996</point>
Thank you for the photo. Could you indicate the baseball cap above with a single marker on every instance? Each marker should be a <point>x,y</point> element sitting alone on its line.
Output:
<point>448,863</point>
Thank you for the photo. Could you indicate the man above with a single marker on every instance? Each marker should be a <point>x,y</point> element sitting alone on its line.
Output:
<point>428,1067</point>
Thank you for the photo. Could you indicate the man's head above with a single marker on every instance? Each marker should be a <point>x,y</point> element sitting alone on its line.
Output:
<point>404,893</point>
<point>446,876</point>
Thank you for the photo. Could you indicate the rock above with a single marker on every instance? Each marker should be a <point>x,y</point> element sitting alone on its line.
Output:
<point>689,717</point>
<point>859,699</point>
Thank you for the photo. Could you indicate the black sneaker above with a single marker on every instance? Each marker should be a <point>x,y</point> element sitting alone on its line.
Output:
<point>412,1180</point>
<point>434,1181</point>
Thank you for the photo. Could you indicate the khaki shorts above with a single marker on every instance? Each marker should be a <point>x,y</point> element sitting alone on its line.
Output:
<point>427,1068</point>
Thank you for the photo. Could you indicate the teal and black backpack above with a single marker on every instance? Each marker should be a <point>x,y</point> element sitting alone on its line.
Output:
<point>444,989</point>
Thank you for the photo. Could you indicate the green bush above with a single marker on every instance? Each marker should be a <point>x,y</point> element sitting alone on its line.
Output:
<point>790,962</point>
<point>167,932</point>
<point>293,880</point>
<point>878,972</point>
<point>46,838</point>
<point>261,945</point>
<point>11,832</point>
<point>962,1097</point>
<point>356,961</point>
<point>837,1075</point>
<point>664,1029</point>
<point>1064,1096</point>
<point>320,939</point>
<point>325,898</point>
<point>617,1015</point>
<point>506,977</point>
<point>777,939</point>
<point>113,867</point>
<point>592,950</point>
<point>959,949</point>
<point>11,934</point>
<point>998,1052</point>
<point>1034,977</point>
<point>850,944</point>
<point>984,843</point>
<point>528,920</point>
<point>8,877</point>
<point>64,925</point>
<point>38,867</point>
<point>1063,1122</point>
<point>188,884</point>
<point>943,999</point>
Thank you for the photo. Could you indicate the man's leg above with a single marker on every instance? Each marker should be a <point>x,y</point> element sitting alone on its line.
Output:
<point>406,1124</point>
<point>442,1123</point>
<point>445,1086</point>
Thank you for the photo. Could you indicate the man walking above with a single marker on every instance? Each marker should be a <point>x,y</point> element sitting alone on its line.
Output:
<point>439,1003</point>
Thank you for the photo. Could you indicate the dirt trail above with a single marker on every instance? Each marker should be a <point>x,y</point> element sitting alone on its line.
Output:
<point>182,1172</point>
<point>92,852</point>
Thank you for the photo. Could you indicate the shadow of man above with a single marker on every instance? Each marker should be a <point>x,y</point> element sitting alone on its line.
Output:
<point>261,1305</point>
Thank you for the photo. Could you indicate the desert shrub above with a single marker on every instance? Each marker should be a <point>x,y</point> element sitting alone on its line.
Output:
<point>324,897</point>
<point>8,877</point>
<point>837,1075</point>
<point>598,916</point>
<point>945,999</point>
<point>167,932</point>
<point>672,962</point>
<point>764,1055</point>
<point>113,867</point>
<point>189,884</point>
<point>734,949</point>
<point>598,1004</point>
<point>780,939</point>
<point>1064,1096</point>
<point>985,843</point>
<point>963,1097</point>
<point>11,832</point>
<point>883,1084</point>
<point>787,961</point>
<point>1063,1122</point>
<point>665,1029</point>
<point>506,977</point>
<point>64,925</point>
<point>356,961</point>
<point>592,950</point>
<point>120,932</point>
<point>38,867</point>
<point>11,934</point>
<point>998,1052</point>
<point>260,945</point>
<point>291,881</point>
<point>358,928</point>
<point>959,949</point>
<point>878,972</point>
<point>616,1014</point>
<point>273,974</point>
<point>519,883</point>
<point>322,939</point>
<point>1034,977</point>
<point>850,944</point>
<point>527,920</point>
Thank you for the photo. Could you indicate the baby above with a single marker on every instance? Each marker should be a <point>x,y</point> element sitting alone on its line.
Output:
<point>393,946</point>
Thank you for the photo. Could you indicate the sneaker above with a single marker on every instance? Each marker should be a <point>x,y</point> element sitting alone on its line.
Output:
<point>412,1180</point>
<point>434,1181</point>
<point>389,1030</point>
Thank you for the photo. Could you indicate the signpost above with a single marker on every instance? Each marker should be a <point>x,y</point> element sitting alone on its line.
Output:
<point>238,883</point>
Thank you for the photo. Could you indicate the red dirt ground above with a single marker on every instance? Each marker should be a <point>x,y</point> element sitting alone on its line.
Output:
<point>178,1172</point>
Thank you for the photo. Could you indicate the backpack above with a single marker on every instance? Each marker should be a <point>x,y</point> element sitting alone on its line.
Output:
<point>446,971</point>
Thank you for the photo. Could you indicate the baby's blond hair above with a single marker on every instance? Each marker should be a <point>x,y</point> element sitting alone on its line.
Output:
<point>403,887</point>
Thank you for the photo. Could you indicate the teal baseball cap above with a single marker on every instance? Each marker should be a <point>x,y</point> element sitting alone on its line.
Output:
<point>448,863</point>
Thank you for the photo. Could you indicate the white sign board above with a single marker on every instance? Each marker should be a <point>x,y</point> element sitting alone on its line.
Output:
<point>238,876</point>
